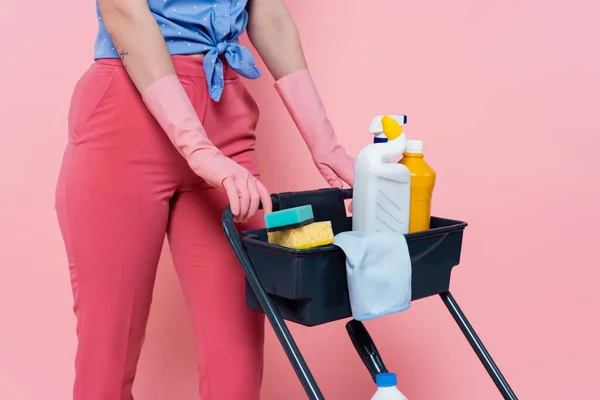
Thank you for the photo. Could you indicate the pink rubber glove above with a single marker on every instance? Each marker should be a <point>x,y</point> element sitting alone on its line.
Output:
<point>299,94</point>
<point>169,104</point>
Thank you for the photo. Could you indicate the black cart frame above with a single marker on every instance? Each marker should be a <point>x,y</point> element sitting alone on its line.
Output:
<point>325,202</point>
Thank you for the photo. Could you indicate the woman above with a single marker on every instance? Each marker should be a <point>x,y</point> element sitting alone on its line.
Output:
<point>161,139</point>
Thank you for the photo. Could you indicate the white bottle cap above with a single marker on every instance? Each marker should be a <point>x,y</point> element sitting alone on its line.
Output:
<point>414,146</point>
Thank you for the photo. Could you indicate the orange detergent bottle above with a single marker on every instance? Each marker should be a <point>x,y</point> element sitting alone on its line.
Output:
<point>422,182</point>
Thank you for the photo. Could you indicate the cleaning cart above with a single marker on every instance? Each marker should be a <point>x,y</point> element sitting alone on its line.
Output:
<point>309,287</point>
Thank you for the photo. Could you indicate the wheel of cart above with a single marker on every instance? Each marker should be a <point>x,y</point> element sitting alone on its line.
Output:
<point>309,287</point>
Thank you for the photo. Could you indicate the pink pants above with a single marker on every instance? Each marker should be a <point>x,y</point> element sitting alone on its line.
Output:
<point>122,186</point>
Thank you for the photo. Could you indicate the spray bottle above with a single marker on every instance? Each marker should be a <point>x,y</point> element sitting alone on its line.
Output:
<point>381,199</point>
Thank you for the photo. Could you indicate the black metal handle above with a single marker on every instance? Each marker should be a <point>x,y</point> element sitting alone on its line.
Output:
<point>346,193</point>
<point>365,347</point>
<point>277,322</point>
<point>272,313</point>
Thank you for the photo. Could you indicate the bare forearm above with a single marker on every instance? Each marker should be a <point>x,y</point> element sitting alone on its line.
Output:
<point>138,40</point>
<point>273,33</point>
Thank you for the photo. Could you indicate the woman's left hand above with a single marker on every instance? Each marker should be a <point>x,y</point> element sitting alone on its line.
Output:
<point>273,33</point>
<point>337,167</point>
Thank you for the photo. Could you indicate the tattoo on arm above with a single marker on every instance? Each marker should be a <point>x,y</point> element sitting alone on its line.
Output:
<point>122,54</point>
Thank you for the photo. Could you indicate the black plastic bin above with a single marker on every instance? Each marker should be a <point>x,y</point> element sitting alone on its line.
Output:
<point>309,287</point>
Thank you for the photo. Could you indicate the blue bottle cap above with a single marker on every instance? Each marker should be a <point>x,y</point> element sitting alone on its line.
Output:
<point>386,379</point>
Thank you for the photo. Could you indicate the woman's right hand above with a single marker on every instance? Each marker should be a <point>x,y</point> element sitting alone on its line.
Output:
<point>144,53</point>
<point>244,191</point>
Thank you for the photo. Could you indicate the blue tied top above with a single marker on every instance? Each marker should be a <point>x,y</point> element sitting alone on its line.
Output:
<point>240,60</point>
<point>209,27</point>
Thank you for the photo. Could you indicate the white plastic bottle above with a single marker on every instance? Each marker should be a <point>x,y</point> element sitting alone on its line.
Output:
<point>386,388</point>
<point>381,193</point>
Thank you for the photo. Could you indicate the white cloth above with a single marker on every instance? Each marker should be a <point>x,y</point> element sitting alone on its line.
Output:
<point>379,272</point>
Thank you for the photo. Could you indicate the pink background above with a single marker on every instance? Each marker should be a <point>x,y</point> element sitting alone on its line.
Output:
<point>505,95</point>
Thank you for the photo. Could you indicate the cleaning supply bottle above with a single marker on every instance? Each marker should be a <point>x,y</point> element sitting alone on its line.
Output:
<point>386,387</point>
<point>381,195</point>
<point>422,182</point>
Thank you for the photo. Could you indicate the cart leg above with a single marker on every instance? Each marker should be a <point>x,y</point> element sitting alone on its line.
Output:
<point>291,349</point>
<point>478,346</point>
<point>365,348</point>
<point>272,313</point>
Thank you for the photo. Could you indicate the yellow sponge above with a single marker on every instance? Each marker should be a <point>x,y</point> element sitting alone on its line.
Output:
<point>305,237</point>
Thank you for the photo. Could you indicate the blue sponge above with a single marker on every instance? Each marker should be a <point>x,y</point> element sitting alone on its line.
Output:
<point>289,218</point>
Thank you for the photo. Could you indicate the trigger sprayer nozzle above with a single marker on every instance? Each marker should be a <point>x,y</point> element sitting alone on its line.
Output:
<point>391,128</point>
